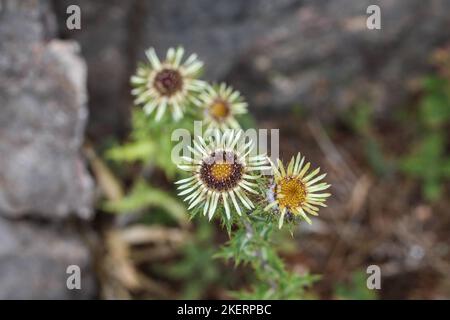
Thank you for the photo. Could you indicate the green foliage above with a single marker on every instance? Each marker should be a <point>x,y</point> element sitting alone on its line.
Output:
<point>144,196</point>
<point>246,121</point>
<point>298,110</point>
<point>251,245</point>
<point>150,146</point>
<point>360,119</point>
<point>435,104</point>
<point>197,269</point>
<point>428,160</point>
<point>150,142</point>
<point>356,289</point>
<point>429,163</point>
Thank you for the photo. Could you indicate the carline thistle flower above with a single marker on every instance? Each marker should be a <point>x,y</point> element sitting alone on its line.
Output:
<point>168,84</point>
<point>222,171</point>
<point>295,191</point>
<point>221,104</point>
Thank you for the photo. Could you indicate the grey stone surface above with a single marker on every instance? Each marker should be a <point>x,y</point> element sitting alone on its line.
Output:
<point>44,184</point>
<point>318,54</point>
<point>107,44</point>
<point>34,258</point>
<point>42,118</point>
<point>324,58</point>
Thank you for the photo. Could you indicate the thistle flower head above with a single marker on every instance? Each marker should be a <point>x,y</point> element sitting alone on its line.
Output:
<point>296,191</point>
<point>222,172</point>
<point>221,104</point>
<point>168,84</point>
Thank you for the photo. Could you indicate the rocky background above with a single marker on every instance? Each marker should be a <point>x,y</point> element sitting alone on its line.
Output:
<point>59,87</point>
<point>45,189</point>
<point>278,53</point>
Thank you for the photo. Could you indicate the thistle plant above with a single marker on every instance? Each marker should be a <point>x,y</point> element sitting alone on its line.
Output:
<point>167,84</point>
<point>224,178</point>
<point>294,191</point>
<point>221,172</point>
<point>221,104</point>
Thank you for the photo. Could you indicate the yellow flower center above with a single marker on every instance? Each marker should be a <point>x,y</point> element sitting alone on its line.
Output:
<point>291,192</point>
<point>219,109</point>
<point>221,171</point>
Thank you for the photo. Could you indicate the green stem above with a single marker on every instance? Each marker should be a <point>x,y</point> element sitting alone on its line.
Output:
<point>259,253</point>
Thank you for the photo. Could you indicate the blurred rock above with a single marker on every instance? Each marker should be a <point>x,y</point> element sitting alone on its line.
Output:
<point>323,57</point>
<point>42,118</point>
<point>34,259</point>
<point>222,33</point>
<point>107,44</point>
<point>43,179</point>
<point>317,54</point>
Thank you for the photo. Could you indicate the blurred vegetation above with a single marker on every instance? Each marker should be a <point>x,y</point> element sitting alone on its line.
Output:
<point>149,143</point>
<point>143,195</point>
<point>428,160</point>
<point>148,150</point>
<point>355,289</point>
<point>361,119</point>
<point>146,156</point>
<point>254,239</point>
<point>197,271</point>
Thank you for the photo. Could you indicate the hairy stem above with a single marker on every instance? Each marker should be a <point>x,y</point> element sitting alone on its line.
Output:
<point>259,253</point>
